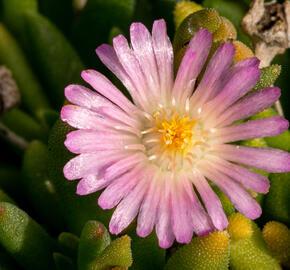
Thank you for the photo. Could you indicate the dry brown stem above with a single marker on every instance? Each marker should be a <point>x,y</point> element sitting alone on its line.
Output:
<point>9,94</point>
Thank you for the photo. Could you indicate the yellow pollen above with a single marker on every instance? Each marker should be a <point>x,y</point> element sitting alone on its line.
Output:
<point>176,132</point>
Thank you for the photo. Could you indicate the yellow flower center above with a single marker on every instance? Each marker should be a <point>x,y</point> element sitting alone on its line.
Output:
<point>176,133</point>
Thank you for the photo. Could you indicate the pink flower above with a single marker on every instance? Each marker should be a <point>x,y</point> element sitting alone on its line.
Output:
<point>149,154</point>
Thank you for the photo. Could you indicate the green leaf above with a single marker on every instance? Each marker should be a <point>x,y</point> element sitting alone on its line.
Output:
<point>210,252</point>
<point>54,57</point>
<point>146,252</point>
<point>11,55</point>
<point>68,244</point>
<point>77,210</point>
<point>118,253</point>
<point>24,239</point>
<point>62,262</point>
<point>251,253</point>
<point>276,202</point>
<point>268,77</point>
<point>95,22</point>
<point>24,125</point>
<point>94,239</point>
<point>40,189</point>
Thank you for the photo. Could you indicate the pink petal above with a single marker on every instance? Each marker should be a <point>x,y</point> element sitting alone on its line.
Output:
<point>211,80</point>
<point>124,165</point>
<point>91,184</point>
<point>91,163</point>
<point>181,216</point>
<point>266,159</point>
<point>128,208</point>
<point>81,118</point>
<point>84,97</point>
<point>120,116</point>
<point>239,83</point>
<point>191,64</point>
<point>251,104</point>
<point>148,210</point>
<point>252,180</point>
<point>142,44</point>
<point>100,83</point>
<point>267,127</point>
<point>132,67</point>
<point>248,62</point>
<point>109,58</point>
<point>201,221</point>
<point>120,188</point>
<point>163,224</point>
<point>211,201</point>
<point>86,141</point>
<point>164,56</point>
<point>238,195</point>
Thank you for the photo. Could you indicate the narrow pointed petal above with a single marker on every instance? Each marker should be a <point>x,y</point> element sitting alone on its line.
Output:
<point>90,163</point>
<point>251,104</point>
<point>81,118</point>
<point>266,127</point>
<point>86,141</point>
<point>248,62</point>
<point>128,208</point>
<point>163,224</point>
<point>200,219</point>
<point>101,84</point>
<point>91,184</point>
<point>211,201</point>
<point>124,165</point>
<point>164,56</point>
<point>110,59</point>
<point>239,83</point>
<point>84,97</point>
<point>211,80</point>
<point>148,210</point>
<point>142,44</point>
<point>238,195</point>
<point>132,67</point>
<point>266,159</point>
<point>181,218</point>
<point>120,188</point>
<point>252,180</point>
<point>191,64</point>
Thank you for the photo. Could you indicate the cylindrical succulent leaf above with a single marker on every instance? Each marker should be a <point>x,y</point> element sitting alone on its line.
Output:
<point>210,252</point>
<point>39,187</point>
<point>68,243</point>
<point>94,239</point>
<point>11,55</point>
<point>63,262</point>
<point>24,239</point>
<point>183,9</point>
<point>24,125</point>
<point>54,57</point>
<point>268,76</point>
<point>276,203</point>
<point>277,238</point>
<point>117,254</point>
<point>248,250</point>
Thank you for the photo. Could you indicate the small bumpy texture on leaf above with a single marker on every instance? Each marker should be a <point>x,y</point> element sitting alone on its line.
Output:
<point>277,238</point>
<point>210,252</point>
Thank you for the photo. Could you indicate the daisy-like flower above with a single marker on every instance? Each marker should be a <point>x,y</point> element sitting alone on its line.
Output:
<point>153,155</point>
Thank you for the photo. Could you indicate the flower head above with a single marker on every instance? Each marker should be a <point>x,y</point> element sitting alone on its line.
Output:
<point>154,154</point>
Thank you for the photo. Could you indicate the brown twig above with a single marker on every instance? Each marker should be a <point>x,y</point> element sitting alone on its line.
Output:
<point>268,26</point>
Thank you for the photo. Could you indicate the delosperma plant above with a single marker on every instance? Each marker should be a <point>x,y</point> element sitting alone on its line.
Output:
<point>178,149</point>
